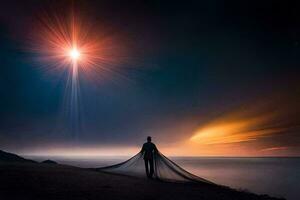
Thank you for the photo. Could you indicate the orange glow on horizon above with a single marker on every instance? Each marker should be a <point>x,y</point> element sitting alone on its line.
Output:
<point>233,132</point>
<point>255,131</point>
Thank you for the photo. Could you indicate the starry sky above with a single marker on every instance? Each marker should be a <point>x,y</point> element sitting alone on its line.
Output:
<point>205,78</point>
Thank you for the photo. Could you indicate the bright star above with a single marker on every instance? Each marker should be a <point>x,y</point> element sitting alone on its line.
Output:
<point>74,54</point>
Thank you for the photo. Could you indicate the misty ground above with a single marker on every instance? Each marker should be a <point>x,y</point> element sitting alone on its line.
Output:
<point>31,181</point>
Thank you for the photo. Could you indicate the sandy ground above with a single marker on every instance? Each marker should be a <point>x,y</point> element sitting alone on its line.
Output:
<point>29,181</point>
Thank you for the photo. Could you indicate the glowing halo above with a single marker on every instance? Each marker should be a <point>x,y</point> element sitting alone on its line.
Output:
<point>74,54</point>
<point>58,40</point>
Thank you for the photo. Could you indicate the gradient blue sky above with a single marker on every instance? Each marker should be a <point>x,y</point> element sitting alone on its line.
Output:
<point>190,66</point>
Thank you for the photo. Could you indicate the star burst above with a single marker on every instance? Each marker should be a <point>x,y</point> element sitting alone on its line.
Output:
<point>66,42</point>
<point>71,44</point>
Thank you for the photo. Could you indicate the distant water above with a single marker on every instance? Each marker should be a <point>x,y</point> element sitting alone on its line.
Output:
<point>279,177</point>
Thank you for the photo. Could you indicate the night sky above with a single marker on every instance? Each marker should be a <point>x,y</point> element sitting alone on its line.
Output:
<point>201,77</point>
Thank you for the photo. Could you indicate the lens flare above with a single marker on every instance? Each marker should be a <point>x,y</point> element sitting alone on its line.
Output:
<point>58,40</point>
<point>71,47</point>
<point>74,54</point>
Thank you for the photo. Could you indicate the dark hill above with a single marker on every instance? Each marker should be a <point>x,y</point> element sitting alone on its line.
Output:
<point>49,162</point>
<point>10,157</point>
<point>28,181</point>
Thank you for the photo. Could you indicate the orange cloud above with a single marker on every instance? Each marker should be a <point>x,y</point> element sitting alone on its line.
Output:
<point>248,131</point>
<point>235,130</point>
<point>275,149</point>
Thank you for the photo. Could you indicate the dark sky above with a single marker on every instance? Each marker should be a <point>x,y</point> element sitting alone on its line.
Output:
<point>189,65</point>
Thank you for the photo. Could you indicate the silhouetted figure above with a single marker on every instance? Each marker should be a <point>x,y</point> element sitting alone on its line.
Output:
<point>149,150</point>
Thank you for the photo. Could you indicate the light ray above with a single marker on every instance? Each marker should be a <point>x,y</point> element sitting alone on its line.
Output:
<point>69,43</point>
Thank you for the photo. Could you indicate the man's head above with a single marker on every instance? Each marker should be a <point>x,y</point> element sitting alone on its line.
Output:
<point>149,139</point>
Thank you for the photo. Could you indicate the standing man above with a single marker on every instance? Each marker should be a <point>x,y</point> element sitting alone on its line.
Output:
<point>149,150</point>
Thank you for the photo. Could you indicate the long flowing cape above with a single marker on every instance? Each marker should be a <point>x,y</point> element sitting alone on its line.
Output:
<point>164,169</point>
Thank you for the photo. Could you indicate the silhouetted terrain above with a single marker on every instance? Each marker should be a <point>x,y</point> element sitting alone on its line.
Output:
<point>10,157</point>
<point>42,181</point>
<point>49,162</point>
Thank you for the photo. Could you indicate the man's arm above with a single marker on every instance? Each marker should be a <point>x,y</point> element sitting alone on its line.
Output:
<point>143,149</point>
